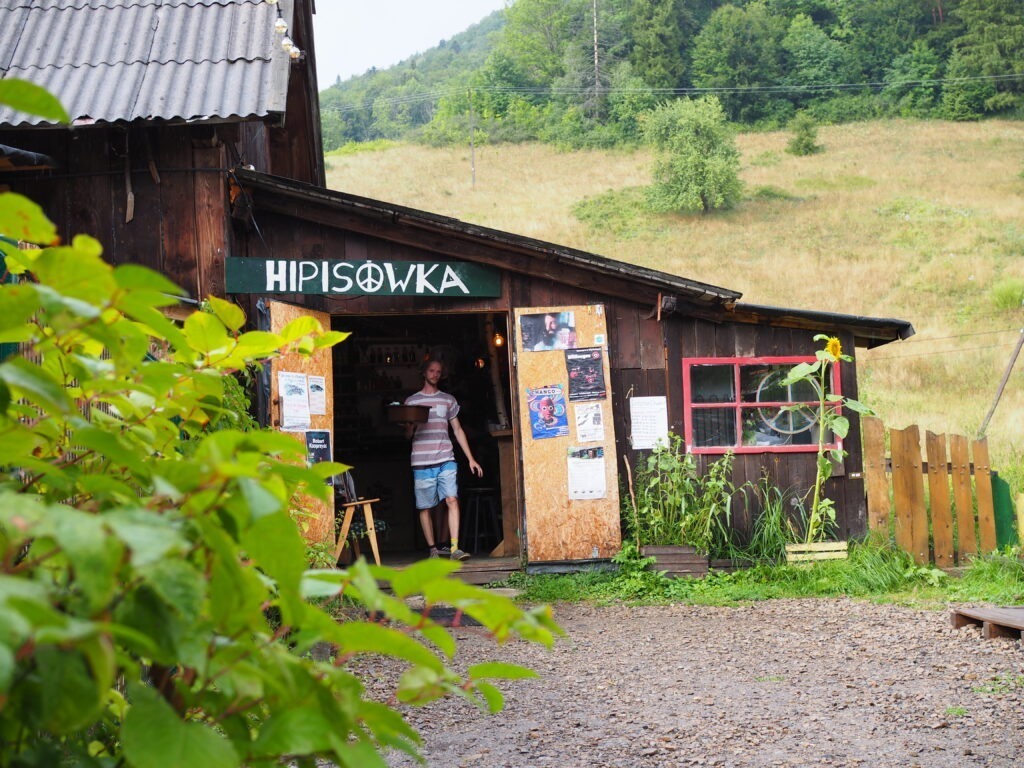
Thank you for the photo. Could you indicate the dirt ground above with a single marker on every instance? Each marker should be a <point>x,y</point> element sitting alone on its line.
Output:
<point>777,683</point>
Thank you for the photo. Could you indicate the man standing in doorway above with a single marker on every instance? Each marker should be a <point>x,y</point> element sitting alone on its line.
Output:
<point>434,470</point>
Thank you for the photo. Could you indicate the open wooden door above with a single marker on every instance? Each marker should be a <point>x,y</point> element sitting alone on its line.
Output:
<point>570,481</point>
<point>315,373</point>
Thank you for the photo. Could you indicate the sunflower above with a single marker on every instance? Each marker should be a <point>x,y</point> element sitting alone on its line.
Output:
<point>834,348</point>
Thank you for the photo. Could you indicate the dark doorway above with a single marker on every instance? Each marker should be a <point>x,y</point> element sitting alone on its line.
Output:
<point>378,365</point>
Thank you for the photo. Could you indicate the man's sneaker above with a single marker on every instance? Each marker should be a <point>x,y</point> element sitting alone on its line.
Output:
<point>458,554</point>
<point>434,552</point>
<point>444,551</point>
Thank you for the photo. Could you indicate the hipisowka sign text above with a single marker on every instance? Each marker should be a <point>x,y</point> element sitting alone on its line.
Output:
<point>360,278</point>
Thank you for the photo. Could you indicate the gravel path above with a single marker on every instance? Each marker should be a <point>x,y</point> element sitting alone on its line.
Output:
<point>777,683</point>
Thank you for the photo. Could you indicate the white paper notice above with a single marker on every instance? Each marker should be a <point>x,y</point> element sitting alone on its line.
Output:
<point>318,395</point>
<point>589,423</point>
<point>586,473</point>
<point>649,419</point>
<point>294,395</point>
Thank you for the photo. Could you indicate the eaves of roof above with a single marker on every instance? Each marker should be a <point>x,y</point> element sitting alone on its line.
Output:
<point>456,238</point>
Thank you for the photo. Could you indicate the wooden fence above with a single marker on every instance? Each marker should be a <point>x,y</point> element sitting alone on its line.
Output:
<point>956,519</point>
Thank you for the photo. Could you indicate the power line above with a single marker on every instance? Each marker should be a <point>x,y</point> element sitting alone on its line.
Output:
<point>939,353</point>
<point>438,93</point>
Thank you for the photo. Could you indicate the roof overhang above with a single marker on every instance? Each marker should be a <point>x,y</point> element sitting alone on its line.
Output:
<point>456,239</point>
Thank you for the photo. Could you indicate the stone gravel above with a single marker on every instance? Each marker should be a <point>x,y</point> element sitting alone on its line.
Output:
<point>834,682</point>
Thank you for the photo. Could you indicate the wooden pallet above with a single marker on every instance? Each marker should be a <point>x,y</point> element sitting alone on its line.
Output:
<point>994,622</point>
<point>677,561</point>
<point>822,550</point>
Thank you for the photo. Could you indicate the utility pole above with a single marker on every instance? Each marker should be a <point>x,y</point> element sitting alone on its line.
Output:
<point>472,141</point>
<point>597,66</point>
<point>1002,384</point>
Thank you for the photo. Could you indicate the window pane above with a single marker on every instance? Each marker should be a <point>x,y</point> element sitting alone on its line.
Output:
<point>712,384</point>
<point>763,384</point>
<point>714,427</point>
<point>778,426</point>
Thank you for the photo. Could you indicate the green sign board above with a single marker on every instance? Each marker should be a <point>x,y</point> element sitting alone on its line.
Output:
<point>332,277</point>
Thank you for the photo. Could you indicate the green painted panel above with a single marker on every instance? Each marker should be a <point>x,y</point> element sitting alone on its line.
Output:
<point>332,277</point>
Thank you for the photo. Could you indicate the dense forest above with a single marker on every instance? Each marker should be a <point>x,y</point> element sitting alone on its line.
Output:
<point>586,72</point>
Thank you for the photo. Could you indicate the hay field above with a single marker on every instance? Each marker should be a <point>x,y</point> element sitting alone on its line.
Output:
<point>922,221</point>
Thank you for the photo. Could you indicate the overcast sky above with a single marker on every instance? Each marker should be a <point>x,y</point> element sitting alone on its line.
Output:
<point>353,35</point>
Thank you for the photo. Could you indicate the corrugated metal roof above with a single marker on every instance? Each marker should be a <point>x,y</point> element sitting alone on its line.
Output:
<point>110,60</point>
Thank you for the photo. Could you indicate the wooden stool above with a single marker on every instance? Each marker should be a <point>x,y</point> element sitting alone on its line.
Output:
<point>346,523</point>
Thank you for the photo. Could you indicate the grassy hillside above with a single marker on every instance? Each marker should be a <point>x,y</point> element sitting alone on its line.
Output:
<point>917,220</point>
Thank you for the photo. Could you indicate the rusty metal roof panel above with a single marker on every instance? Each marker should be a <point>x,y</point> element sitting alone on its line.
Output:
<point>111,60</point>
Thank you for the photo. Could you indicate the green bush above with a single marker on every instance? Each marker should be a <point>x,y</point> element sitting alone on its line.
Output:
<point>698,163</point>
<point>1008,293</point>
<point>804,140</point>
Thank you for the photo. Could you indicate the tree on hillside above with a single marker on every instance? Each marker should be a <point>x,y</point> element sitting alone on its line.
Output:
<point>536,33</point>
<point>812,59</point>
<point>986,71</point>
<point>741,48</point>
<point>660,31</point>
<point>877,31</point>
<point>698,165</point>
<point>912,84</point>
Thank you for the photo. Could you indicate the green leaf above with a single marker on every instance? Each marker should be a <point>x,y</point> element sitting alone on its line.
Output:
<point>136,277</point>
<point>410,580</point>
<point>295,731</point>
<point>69,697</point>
<point>230,314</point>
<point>178,584</point>
<point>840,425</point>
<point>260,500</point>
<point>93,554</point>
<point>299,327</point>
<point>275,545</point>
<point>113,446</point>
<point>32,99</point>
<point>330,338</point>
<point>27,380</point>
<point>206,333</point>
<point>858,407</point>
<point>491,695</point>
<point>5,403</point>
<point>7,666</point>
<point>258,344</point>
<point>365,637</point>
<point>77,271</point>
<point>153,736</point>
<point>21,219</point>
<point>17,304</point>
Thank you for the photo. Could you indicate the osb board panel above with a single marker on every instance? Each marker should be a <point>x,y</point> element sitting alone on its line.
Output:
<point>319,525</point>
<point>558,528</point>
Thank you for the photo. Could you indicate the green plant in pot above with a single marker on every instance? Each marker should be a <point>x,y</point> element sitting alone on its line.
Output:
<point>672,503</point>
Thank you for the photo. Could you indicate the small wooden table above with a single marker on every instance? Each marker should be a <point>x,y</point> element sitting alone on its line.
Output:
<point>346,523</point>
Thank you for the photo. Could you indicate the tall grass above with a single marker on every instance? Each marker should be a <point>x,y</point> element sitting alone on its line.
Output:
<point>915,220</point>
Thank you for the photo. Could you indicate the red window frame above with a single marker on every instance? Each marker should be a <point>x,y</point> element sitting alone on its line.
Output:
<point>740,406</point>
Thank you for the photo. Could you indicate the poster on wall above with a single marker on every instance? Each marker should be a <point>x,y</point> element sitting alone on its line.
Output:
<point>318,395</point>
<point>294,397</point>
<point>318,448</point>
<point>648,418</point>
<point>585,367</point>
<point>586,473</point>
<point>547,412</point>
<point>589,423</point>
<point>547,331</point>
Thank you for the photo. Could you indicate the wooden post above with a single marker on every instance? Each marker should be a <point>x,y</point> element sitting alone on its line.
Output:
<point>879,507</point>
<point>967,540</point>
<point>983,492</point>
<point>938,493</point>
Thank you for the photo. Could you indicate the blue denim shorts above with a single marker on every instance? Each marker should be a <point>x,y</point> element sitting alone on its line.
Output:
<point>431,484</point>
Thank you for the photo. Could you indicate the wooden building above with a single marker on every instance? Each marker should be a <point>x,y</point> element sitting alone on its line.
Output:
<point>564,362</point>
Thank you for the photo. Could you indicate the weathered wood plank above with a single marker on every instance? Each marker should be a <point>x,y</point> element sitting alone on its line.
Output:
<point>983,492</point>
<point>967,540</point>
<point>908,492</point>
<point>875,476</point>
<point>938,495</point>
